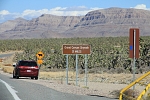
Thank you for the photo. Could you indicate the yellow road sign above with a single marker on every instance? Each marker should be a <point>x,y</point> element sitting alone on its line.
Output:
<point>40,61</point>
<point>40,55</point>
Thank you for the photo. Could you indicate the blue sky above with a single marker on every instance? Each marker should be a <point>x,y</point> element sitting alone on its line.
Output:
<point>28,9</point>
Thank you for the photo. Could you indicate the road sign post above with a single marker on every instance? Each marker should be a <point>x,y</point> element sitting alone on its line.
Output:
<point>134,48</point>
<point>86,69</point>
<point>67,69</point>
<point>76,69</point>
<point>39,61</point>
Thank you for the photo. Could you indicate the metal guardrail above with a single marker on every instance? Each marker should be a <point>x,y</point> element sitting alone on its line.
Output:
<point>133,83</point>
<point>143,92</point>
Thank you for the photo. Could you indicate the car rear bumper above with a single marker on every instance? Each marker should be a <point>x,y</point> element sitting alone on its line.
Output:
<point>28,74</point>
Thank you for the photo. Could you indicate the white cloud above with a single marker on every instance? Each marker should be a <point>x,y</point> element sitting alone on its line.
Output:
<point>141,6</point>
<point>59,11</point>
<point>70,11</point>
<point>4,12</point>
<point>32,13</point>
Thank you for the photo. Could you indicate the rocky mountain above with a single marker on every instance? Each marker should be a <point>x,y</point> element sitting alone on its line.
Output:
<point>112,22</point>
<point>99,23</point>
<point>45,26</point>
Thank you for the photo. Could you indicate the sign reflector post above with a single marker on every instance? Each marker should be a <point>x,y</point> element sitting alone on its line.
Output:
<point>39,61</point>
<point>134,48</point>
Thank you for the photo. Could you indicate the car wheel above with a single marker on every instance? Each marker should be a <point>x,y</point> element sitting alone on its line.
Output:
<point>32,77</point>
<point>14,75</point>
<point>17,77</point>
<point>36,78</point>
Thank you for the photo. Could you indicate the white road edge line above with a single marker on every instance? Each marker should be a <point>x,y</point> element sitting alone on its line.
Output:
<point>12,91</point>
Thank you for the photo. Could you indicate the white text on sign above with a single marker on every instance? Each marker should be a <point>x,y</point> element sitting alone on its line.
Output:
<point>76,49</point>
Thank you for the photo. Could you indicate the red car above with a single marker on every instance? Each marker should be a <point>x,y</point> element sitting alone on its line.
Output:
<point>26,68</point>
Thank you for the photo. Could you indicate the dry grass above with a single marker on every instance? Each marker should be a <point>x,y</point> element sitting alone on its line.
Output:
<point>55,75</point>
<point>146,96</point>
<point>1,60</point>
<point>7,64</point>
<point>6,68</point>
<point>128,95</point>
<point>72,75</point>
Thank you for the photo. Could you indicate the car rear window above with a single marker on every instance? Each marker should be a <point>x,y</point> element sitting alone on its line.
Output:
<point>27,63</point>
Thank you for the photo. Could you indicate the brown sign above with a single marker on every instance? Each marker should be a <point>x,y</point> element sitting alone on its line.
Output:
<point>76,49</point>
<point>131,42</point>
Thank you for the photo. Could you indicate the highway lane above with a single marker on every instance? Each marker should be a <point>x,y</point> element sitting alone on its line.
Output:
<point>4,92</point>
<point>31,91</point>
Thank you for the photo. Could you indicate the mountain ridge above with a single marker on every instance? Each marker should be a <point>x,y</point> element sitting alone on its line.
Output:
<point>110,22</point>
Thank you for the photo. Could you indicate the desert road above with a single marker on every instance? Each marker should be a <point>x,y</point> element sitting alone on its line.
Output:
<point>16,89</point>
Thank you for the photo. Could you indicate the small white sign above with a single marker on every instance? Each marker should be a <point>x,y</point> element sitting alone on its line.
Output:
<point>28,70</point>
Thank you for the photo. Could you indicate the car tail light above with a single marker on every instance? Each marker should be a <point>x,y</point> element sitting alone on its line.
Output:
<point>21,67</point>
<point>36,67</point>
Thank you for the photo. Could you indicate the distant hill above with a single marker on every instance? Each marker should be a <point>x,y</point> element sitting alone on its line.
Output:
<point>111,22</point>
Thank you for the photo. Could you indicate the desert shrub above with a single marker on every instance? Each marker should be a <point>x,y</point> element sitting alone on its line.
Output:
<point>7,64</point>
<point>8,69</point>
<point>81,71</point>
<point>115,94</point>
<point>130,94</point>
<point>119,70</point>
<point>146,96</point>
<point>112,71</point>
<point>110,53</point>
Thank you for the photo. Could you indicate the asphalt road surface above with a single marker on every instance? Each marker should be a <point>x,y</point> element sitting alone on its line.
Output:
<point>5,55</point>
<point>4,92</point>
<point>16,89</point>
